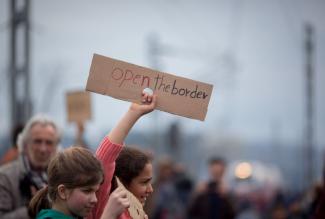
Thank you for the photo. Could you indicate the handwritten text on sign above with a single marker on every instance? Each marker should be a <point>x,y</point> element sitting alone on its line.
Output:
<point>124,78</point>
<point>125,81</point>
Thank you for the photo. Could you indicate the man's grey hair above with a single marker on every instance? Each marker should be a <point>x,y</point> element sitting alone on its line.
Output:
<point>41,119</point>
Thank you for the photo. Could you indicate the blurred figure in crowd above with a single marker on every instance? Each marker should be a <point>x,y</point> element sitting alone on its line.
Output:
<point>318,212</point>
<point>172,187</point>
<point>216,168</point>
<point>210,199</point>
<point>211,204</point>
<point>183,183</point>
<point>12,153</point>
<point>20,179</point>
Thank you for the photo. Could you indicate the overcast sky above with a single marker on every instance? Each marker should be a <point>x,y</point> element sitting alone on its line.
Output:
<point>251,51</point>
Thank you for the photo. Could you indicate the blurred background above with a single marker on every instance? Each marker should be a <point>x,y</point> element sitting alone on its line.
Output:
<point>264,58</point>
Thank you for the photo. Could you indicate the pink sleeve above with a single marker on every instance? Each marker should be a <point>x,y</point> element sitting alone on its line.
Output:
<point>107,153</point>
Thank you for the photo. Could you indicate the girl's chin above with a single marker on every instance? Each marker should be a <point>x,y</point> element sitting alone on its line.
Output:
<point>143,201</point>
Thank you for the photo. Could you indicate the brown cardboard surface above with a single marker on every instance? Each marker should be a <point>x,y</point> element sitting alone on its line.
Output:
<point>136,210</point>
<point>125,81</point>
<point>78,106</point>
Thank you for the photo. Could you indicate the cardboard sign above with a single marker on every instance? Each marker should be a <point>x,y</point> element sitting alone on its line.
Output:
<point>78,106</point>
<point>125,81</point>
<point>135,210</point>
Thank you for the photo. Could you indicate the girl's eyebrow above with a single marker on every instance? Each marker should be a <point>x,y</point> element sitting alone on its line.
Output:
<point>146,179</point>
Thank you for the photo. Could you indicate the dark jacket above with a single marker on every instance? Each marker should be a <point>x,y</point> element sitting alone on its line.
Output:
<point>12,202</point>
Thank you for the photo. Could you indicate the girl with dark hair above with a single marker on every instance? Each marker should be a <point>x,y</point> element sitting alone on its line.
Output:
<point>80,183</point>
<point>132,166</point>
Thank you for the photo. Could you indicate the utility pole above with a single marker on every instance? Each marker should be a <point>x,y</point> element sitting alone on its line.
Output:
<point>21,106</point>
<point>154,51</point>
<point>309,126</point>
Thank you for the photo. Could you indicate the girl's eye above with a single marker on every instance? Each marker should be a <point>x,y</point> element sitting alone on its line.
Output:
<point>145,182</point>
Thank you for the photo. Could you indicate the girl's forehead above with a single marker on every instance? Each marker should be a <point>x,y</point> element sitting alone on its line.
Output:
<point>146,171</point>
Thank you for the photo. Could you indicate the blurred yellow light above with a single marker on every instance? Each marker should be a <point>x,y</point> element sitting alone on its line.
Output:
<point>243,170</point>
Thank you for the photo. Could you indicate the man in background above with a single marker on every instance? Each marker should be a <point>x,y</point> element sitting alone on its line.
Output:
<point>21,178</point>
<point>210,199</point>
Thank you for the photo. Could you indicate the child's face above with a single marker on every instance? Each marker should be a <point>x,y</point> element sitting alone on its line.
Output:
<point>80,201</point>
<point>141,186</point>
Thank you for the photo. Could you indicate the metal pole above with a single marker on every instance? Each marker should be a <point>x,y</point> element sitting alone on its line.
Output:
<point>154,51</point>
<point>309,127</point>
<point>20,107</point>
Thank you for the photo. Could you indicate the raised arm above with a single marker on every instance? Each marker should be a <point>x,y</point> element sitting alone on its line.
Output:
<point>111,146</point>
<point>121,130</point>
<point>80,141</point>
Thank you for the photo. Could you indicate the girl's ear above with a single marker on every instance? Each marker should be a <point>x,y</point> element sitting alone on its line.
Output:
<point>62,192</point>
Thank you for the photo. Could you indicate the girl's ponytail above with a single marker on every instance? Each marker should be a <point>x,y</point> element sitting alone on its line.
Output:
<point>39,201</point>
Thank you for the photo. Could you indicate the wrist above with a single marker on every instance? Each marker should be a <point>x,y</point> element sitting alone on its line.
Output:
<point>112,215</point>
<point>135,113</point>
